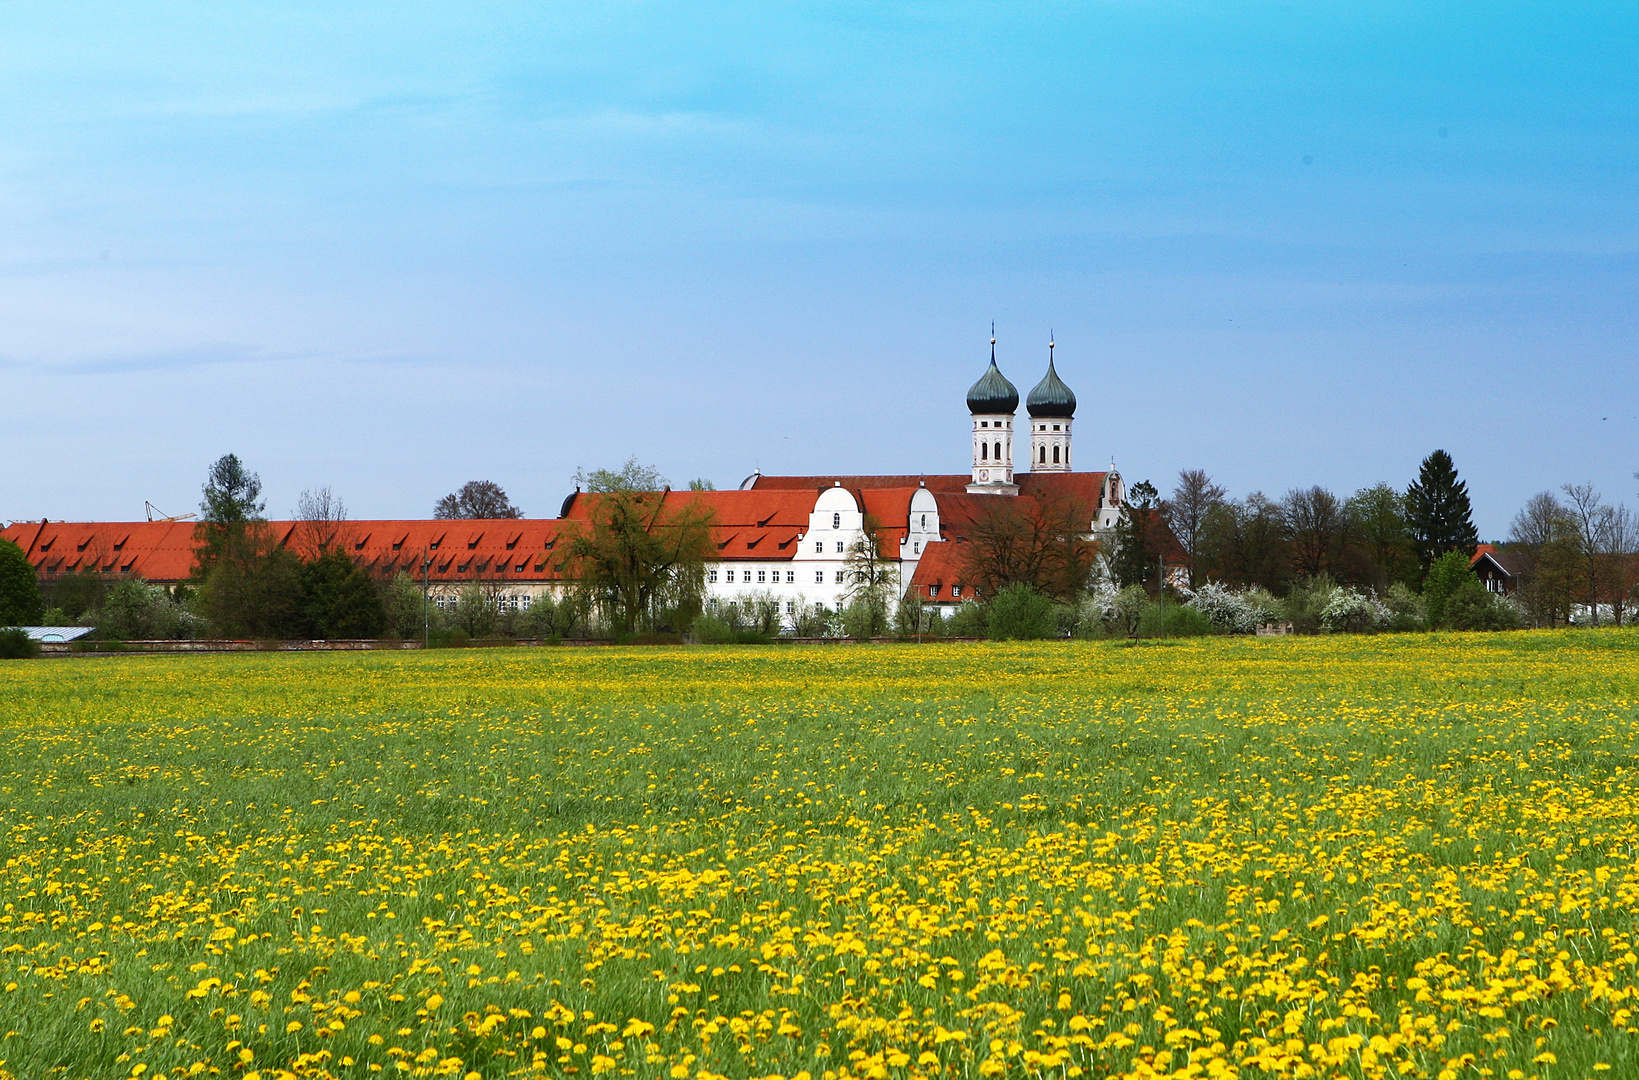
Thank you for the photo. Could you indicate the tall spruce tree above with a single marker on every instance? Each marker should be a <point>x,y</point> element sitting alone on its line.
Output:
<point>1438,512</point>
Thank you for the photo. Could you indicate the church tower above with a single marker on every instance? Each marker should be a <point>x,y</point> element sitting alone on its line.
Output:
<point>993,401</point>
<point>1052,407</point>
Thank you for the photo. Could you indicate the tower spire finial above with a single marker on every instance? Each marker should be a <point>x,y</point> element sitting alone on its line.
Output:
<point>1049,346</point>
<point>993,341</point>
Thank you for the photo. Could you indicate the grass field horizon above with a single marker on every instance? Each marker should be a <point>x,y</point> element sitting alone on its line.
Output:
<point>1383,856</point>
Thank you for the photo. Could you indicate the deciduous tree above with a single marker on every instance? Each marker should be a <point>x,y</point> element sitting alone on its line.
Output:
<point>640,547</point>
<point>873,581</point>
<point>20,601</point>
<point>477,499</point>
<point>1542,532</point>
<point>1193,498</point>
<point>1377,528</point>
<point>1314,523</point>
<point>1244,543</point>
<point>1044,542</point>
<point>321,523</point>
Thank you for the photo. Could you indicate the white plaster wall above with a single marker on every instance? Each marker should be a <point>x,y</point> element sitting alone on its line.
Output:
<point>1043,436</point>
<point>990,430</point>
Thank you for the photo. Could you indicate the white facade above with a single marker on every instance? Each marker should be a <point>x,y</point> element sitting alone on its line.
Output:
<point>993,454</point>
<point>816,573</point>
<point>1050,444</point>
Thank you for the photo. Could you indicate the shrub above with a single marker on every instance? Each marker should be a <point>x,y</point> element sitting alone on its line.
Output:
<point>405,610</point>
<point>554,617</point>
<point>73,594</point>
<point>1232,612</point>
<point>1306,601</point>
<point>1222,607</point>
<point>339,600</point>
<point>137,611</point>
<point>1125,611</point>
<point>1405,608</point>
<point>1353,612</point>
<point>813,620</point>
<point>968,620</point>
<point>1473,607</point>
<point>1181,620</point>
<point>909,618</point>
<point>1019,612</point>
<point>474,611</point>
<point>760,612</point>
<point>864,619</point>
<point>1449,573</point>
<point>15,644</point>
<point>715,630</point>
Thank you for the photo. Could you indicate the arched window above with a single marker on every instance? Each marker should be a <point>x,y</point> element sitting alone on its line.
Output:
<point>1055,455</point>
<point>984,451</point>
<point>1044,454</point>
<point>998,451</point>
<point>836,521</point>
<point>924,521</point>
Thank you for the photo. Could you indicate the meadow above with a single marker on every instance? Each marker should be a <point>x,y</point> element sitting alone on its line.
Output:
<point>1407,855</point>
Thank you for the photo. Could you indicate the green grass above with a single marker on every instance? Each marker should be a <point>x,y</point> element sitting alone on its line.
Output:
<point>589,826</point>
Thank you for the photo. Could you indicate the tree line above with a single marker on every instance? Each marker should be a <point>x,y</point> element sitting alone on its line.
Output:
<point>1379,558</point>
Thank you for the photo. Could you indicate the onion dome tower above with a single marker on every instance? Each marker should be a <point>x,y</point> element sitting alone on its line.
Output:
<point>993,401</point>
<point>1052,407</point>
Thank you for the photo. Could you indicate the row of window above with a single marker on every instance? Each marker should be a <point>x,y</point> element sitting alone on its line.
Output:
<point>519,602</point>
<point>984,451</point>
<point>986,423</point>
<point>766,576</point>
<point>1055,455</point>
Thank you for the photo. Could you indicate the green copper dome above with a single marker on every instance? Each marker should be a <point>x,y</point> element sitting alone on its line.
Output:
<point>992,394</point>
<point>1051,397</point>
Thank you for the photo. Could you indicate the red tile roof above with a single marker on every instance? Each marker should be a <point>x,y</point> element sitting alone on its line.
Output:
<point>855,483</point>
<point>940,569</point>
<point>760,525</point>
<point>164,551</point>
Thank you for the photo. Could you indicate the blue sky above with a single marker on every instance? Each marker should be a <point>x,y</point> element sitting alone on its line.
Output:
<point>393,248</point>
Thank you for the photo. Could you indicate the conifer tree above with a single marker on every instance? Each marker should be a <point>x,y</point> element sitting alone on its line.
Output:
<point>1438,512</point>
